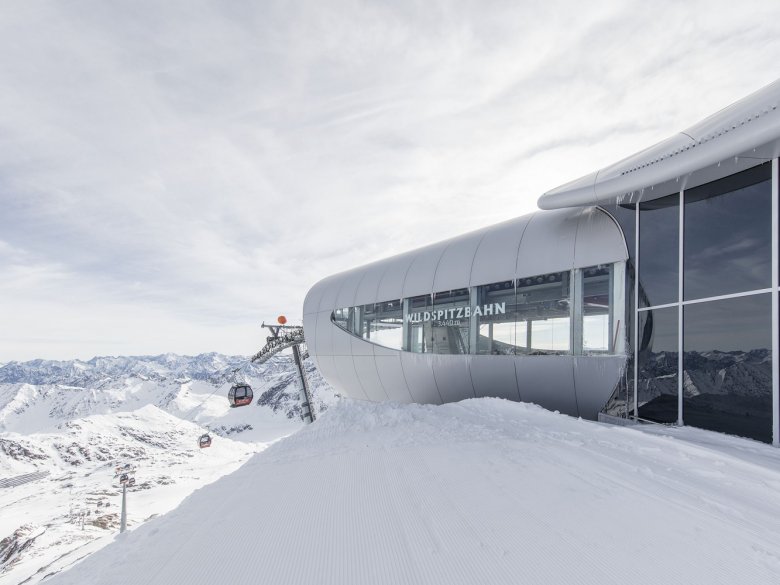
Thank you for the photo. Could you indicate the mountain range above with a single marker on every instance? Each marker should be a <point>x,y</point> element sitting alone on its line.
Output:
<point>66,425</point>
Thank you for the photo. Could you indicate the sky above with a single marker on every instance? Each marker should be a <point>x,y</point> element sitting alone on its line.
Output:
<point>174,173</point>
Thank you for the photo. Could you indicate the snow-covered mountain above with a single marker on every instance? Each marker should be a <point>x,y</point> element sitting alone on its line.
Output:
<point>64,426</point>
<point>481,491</point>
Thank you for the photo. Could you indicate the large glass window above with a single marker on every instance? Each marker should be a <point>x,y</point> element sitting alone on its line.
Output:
<point>382,323</point>
<point>659,253</point>
<point>348,319</point>
<point>597,309</point>
<point>450,320</point>
<point>544,314</point>
<point>418,319</point>
<point>727,364</point>
<point>497,330</point>
<point>657,366</point>
<point>728,235</point>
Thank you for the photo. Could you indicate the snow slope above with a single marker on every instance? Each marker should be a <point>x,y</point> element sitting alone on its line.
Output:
<point>64,425</point>
<point>482,491</point>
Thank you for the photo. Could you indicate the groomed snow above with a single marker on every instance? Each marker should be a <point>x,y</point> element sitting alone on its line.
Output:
<point>482,491</point>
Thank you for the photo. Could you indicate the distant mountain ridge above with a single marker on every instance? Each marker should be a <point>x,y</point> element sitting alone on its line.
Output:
<point>37,393</point>
<point>212,367</point>
<point>67,423</point>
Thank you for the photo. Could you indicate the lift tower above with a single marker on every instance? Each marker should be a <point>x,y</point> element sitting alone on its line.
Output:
<point>284,336</point>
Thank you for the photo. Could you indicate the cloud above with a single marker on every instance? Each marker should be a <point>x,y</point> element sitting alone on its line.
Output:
<point>196,166</point>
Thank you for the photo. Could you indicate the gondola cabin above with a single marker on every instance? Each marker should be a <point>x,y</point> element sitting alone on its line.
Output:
<point>240,395</point>
<point>204,441</point>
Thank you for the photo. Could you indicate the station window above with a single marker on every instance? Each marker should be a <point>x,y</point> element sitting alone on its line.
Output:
<point>386,324</point>
<point>450,321</point>
<point>418,324</point>
<point>544,314</point>
<point>529,316</point>
<point>497,330</point>
<point>596,309</point>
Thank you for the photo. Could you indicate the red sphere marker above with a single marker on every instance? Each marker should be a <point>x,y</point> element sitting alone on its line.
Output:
<point>281,319</point>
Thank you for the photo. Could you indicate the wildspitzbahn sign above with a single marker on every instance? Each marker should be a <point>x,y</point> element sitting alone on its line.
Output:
<point>457,313</point>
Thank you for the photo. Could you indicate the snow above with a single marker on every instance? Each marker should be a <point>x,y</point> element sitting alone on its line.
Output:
<point>76,420</point>
<point>481,491</point>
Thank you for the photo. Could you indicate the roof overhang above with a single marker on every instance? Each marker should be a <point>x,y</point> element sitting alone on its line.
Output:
<point>743,135</point>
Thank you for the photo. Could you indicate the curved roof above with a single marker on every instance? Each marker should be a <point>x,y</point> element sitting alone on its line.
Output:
<point>742,135</point>
<point>530,245</point>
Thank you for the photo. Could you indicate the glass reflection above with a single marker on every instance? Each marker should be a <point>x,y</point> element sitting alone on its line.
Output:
<point>544,314</point>
<point>497,331</point>
<point>728,235</point>
<point>383,323</point>
<point>657,365</point>
<point>659,222</point>
<point>596,303</point>
<point>727,365</point>
<point>450,321</point>
<point>418,319</point>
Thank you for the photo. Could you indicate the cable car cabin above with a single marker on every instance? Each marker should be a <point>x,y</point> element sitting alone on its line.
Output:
<point>240,395</point>
<point>204,441</point>
<point>123,479</point>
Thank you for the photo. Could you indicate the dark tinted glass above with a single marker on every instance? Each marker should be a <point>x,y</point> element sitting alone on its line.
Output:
<point>659,251</point>
<point>657,371</point>
<point>728,235</point>
<point>728,366</point>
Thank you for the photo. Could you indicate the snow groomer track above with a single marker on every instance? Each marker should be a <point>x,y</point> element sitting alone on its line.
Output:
<point>17,480</point>
<point>482,491</point>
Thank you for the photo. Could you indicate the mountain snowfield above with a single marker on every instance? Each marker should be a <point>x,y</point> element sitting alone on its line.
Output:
<point>64,425</point>
<point>482,491</point>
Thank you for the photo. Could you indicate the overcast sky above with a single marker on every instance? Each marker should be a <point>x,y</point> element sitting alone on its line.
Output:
<point>173,173</point>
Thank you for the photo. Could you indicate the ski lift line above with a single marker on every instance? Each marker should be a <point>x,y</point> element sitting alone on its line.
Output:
<point>186,417</point>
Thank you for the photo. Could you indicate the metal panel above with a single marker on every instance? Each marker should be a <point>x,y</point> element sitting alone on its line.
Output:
<point>452,376</point>
<point>367,289</point>
<point>548,243</point>
<point>310,333</point>
<point>391,374</point>
<point>547,380</point>
<point>342,341</point>
<point>419,277</point>
<point>349,284</point>
<point>359,346</point>
<point>599,239</point>
<point>323,334</point>
<point>327,368</point>
<point>496,256</point>
<point>419,374</point>
<point>365,367</point>
<point>330,290</point>
<point>311,304</point>
<point>348,376</point>
<point>494,375</point>
<point>595,378</point>
<point>454,268</point>
<point>392,281</point>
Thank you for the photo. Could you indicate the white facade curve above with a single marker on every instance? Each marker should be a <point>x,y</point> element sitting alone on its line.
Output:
<point>502,311</point>
<point>649,291</point>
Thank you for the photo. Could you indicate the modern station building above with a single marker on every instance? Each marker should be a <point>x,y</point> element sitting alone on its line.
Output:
<point>647,290</point>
